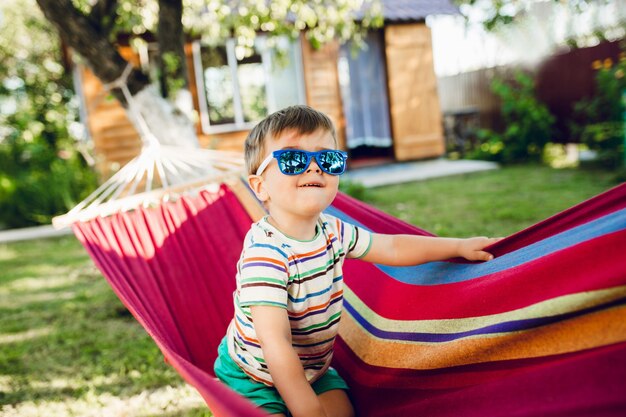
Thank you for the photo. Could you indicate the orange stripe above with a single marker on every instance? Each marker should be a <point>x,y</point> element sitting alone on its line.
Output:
<point>585,332</point>
<point>318,307</point>
<point>270,260</point>
<point>304,255</point>
<point>243,336</point>
<point>315,252</point>
<point>257,378</point>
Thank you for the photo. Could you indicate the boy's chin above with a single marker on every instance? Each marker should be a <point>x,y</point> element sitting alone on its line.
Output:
<point>313,208</point>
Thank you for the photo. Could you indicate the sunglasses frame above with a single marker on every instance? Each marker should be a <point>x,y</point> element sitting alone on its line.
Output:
<point>309,155</point>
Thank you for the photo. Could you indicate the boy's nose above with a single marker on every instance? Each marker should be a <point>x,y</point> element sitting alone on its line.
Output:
<point>311,168</point>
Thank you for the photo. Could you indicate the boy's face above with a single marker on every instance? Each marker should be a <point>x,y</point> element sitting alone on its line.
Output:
<point>297,196</point>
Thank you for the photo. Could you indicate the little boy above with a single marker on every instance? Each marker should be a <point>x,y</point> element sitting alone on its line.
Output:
<point>278,347</point>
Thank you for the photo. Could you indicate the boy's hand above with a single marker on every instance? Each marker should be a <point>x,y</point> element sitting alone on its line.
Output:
<point>472,248</point>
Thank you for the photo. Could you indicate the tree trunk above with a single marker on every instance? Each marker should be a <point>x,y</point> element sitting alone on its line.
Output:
<point>171,40</point>
<point>87,38</point>
<point>172,57</point>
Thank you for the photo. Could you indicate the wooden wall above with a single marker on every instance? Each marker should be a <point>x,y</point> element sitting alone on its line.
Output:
<point>116,141</point>
<point>415,114</point>
<point>114,137</point>
<point>321,78</point>
<point>414,104</point>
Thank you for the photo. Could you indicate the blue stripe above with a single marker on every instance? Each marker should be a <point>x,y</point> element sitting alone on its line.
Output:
<point>504,327</point>
<point>243,322</point>
<point>435,273</point>
<point>314,313</point>
<point>245,342</point>
<point>268,246</point>
<point>323,253</point>
<point>310,295</point>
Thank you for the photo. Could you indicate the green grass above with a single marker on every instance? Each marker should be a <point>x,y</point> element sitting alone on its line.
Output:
<point>492,203</point>
<point>68,347</point>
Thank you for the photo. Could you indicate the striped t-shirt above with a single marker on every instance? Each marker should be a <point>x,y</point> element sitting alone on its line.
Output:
<point>304,277</point>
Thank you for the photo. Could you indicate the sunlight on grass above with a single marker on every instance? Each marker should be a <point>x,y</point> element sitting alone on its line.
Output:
<point>168,400</point>
<point>23,336</point>
<point>36,283</point>
<point>18,301</point>
<point>58,384</point>
<point>6,253</point>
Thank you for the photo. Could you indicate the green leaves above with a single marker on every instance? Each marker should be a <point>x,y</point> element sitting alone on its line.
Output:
<point>41,174</point>
<point>528,123</point>
<point>598,122</point>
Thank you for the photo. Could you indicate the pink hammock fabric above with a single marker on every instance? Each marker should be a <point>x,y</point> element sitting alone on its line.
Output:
<point>540,330</point>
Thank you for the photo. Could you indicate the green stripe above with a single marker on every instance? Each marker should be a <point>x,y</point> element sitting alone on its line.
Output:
<point>245,348</point>
<point>319,269</point>
<point>353,237</point>
<point>369,246</point>
<point>263,279</point>
<point>264,303</point>
<point>315,326</point>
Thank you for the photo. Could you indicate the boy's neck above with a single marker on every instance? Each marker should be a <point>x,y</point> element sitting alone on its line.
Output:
<point>296,228</point>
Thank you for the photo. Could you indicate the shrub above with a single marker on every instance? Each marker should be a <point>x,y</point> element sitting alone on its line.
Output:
<point>528,124</point>
<point>598,122</point>
<point>39,180</point>
<point>41,173</point>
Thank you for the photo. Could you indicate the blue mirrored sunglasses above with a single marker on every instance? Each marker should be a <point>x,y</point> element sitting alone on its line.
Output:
<point>296,161</point>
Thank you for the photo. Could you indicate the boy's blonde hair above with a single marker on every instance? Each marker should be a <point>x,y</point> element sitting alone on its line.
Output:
<point>302,119</point>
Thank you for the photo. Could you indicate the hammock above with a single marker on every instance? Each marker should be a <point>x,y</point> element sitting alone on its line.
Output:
<point>540,330</point>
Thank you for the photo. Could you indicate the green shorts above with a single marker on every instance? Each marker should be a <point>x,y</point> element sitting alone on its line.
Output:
<point>260,394</point>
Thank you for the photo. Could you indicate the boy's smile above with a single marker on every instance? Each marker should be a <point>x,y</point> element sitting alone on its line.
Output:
<point>294,200</point>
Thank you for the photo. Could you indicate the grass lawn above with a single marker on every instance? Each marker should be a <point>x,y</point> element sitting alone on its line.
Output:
<point>492,203</point>
<point>69,348</point>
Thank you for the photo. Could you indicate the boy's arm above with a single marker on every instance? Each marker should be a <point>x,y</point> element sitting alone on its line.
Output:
<point>406,250</point>
<point>274,333</point>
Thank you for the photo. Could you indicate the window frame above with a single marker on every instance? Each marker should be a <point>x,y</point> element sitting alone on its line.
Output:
<point>266,62</point>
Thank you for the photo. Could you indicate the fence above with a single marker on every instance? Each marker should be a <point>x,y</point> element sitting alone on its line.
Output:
<point>561,80</point>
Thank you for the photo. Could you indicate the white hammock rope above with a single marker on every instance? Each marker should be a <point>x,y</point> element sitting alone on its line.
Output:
<point>159,172</point>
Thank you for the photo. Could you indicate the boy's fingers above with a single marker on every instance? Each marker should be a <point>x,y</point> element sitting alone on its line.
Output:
<point>493,240</point>
<point>484,256</point>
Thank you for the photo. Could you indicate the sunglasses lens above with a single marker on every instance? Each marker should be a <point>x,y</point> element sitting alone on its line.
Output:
<point>292,162</point>
<point>332,162</point>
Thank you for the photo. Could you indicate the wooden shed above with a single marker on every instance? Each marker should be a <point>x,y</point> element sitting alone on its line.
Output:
<point>383,101</point>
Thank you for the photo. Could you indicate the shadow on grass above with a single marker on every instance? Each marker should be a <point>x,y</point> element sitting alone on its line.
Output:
<point>61,326</point>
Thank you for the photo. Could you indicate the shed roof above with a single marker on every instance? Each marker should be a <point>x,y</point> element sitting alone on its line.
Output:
<point>416,10</point>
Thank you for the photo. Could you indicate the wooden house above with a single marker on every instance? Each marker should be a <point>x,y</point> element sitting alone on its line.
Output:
<point>383,101</point>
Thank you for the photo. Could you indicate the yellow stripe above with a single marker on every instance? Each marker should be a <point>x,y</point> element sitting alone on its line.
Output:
<point>555,306</point>
<point>585,332</point>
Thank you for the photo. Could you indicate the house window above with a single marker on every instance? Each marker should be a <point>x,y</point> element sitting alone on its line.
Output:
<point>235,93</point>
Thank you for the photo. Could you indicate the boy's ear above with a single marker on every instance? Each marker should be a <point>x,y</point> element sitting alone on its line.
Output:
<point>257,184</point>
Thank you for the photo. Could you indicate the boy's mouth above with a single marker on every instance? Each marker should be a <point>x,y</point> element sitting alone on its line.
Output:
<point>312,184</point>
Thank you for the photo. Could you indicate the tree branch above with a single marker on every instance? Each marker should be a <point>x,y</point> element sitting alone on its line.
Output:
<point>84,36</point>
<point>103,14</point>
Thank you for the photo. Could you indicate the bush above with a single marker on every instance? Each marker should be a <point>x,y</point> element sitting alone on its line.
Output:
<point>41,173</point>
<point>528,124</point>
<point>39,181</point>
<point>598,122</point>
